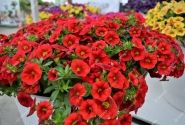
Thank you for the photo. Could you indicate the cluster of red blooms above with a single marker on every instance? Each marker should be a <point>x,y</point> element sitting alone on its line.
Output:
<point>111,53</point>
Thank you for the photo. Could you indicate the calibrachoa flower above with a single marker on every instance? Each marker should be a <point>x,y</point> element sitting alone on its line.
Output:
<point>24,99</point>
<point>44,110</point>
<point>92,69</point>
<point>31,73</point>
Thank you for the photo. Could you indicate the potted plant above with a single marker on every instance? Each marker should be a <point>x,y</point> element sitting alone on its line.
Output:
<point>93,69</point>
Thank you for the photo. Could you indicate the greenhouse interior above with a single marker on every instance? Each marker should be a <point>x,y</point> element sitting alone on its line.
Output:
<point>92,62</point>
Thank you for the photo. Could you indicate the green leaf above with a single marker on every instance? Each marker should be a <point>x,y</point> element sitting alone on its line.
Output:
<point>54,95</point>
<point>127,45</point>
<point>130,93</point>
<point>48,63</point>
<point>49,89</point>
<point>32,38</point>
<point>88,89</point>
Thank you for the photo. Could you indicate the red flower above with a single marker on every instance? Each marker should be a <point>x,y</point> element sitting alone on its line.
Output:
<point>52,74</point>
<point>80,68</point>
<point>107,109</point>
<point>101,90</point>
<point>117,79</point>
<point>88,109</point>
<point>30,89</point>
<point>99,44</point>
<point>24,46</point>
<point>44,51</point>
<point>98,56</point>
<point>31,73</point>
<point>83,51</point>
<point>74,119</point>
<point>24,99</point>
<point>70,40</point>
<point>149,61</point>
<point>101,31</point>
<point>164,69</point>
<point>138,54</point>
<point>18,58</point>
<point>118,98</point>
<point>73,26</point>
<point>134,77</point>
<point>125,119</point>
<point>113,26</point>
<point>76,93</point>
<point>164,47</point>
<point>44,110</point>
<point>125,55</point>
<point>137,42</point>
<point>112,38</point>
<point>135,32</point>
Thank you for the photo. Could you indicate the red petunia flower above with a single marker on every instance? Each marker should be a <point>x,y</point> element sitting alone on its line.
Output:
<point>70,41</point>
<point>24,99</point>
<point>138,54</point>
<point>101,31</point>
<point>125,55</point>
<point>113,26</point>
<point>76,93</point>
<point>137,42</point>
<point>99,44</point>
<point>44,110</point>
<point>118,98</point>
<point>112,38</point>
<point>107,109</point>
<point>73,26</point>
<point>82,51</point>
<point>44,51</point>
<point>52,74</point>
<point>164,47</point>
<point>101,90</point>
<point>125,119</point>
<point>18,58</point>
<point>135,32</point>
<point>164,69</point>
<point>88,109</point>
<point>31,73</point>
<point>117,79</point>
<point>98,56</point>
<point>80,68</point>
<point>149,61</point>
<point>24,46</point>
<point>134,77</point>
<point>30,89</point>
<point>74,119</point>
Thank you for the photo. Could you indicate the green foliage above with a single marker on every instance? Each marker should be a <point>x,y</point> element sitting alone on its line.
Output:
<point>88,88</point>
<point>62,109</point>
<point>131,20</point>
<point>9,90</point>
<point>130,93</point>
<point>113,50</point>
<point>127,45</point>
<point>32,38</point>
<point>10,50</point>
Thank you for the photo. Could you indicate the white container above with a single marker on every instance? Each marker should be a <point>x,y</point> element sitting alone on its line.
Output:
<point>33,119</point>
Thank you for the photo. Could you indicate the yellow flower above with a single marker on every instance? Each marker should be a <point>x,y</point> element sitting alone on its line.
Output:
<point>29,19</point>
<point>180,31</point>
<point>44,15</point>
<point>169,31</point>
<point>158,25</point>
<point>178,18</point>
<point>179,7</point>
<point>178,24</point>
